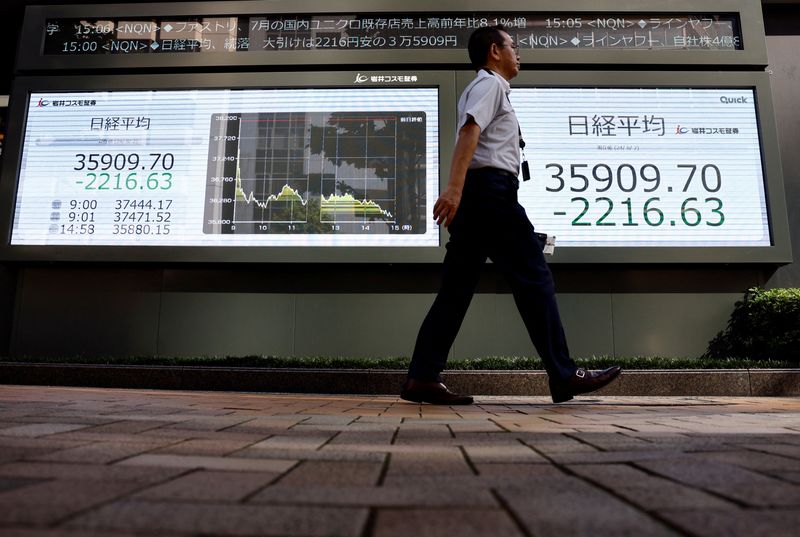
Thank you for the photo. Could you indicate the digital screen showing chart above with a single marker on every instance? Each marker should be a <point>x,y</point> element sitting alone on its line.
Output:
<point>644,167</point>
<point>316,173</point>
<point>292,167</point>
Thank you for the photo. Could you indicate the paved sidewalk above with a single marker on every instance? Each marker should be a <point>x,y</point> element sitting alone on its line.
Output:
<point>95,462</point>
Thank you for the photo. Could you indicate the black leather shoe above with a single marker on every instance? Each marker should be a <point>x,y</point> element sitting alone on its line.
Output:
<point>583,381</point>
<point>435,393</point>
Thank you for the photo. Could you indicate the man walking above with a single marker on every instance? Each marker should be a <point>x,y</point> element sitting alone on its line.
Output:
<point>480,209</point>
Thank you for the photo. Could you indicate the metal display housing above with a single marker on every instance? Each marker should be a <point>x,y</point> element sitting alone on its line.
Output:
<point>445,69</point>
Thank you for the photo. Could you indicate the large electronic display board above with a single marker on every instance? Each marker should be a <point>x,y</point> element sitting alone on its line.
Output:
<point>345,166</point>
<point>629,167</point>
<point>317,162</point>
<point>264,167</point>
<point>652,166</point>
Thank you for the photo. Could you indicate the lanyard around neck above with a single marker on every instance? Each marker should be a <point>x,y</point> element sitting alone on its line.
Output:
<point>519,129</point>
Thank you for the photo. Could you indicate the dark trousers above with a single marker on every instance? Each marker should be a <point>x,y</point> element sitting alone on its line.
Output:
<point>490,223</point>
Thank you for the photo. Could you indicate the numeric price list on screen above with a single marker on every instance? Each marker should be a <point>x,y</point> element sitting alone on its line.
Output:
<point>120,174</point>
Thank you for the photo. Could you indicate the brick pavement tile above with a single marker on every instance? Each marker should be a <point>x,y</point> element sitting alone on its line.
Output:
<point>12,483</point>
<point>436,412</point>
<point>327,453</point>
<point>97,453</point>
<point>212,413</point>
<point>683,442</point>
<point>422,433</point>
<point>382,421</point>
<point>555,443</point>
<point>439,522</point>
<point>517,471</point>
<point>210,486</point>
<point>474,426</point>
<point>66,418</point>
<point>273,425</point>
<point>412,494</point>
<point>492,480</point>
<point>512,452</point>
<point>49,502</point>
<point>205,446</point>
<point>88,472</point>
<point>739,484</point>
<point>382,437</point>
<point>749,459</point>
<point>341,473</point>
<point>424,422</point>
<point>127,426</point>
<point>428,464</point>
<point>730,428</point>
<point>570,507</point>
<point>208,424</point>
<point>610,457</point>
<point>49,443</point>
<point>536,427</point>
<point>792,438</point>
<point>138,415</point>
<point>480,439</point>
<point>613,441</point>
<point>739,523</point>
<point>12,413</point>
<point>330,420</point>
<point>234,464</point>
<point>155,411</point>
<point>220,436</point>
<point>649,492</point>
<point>392,448</point>
<point>786,450</point>
<point>64,532</point>
<point>639,427</point>
<point>16,454</point>
<point>121,438</point>
<point>376,404</point>
<point>792,477</point>
<point>401,412</point>
<point>296,441</point>
<point>225,519</point>
<point>356,427</point>
<point>361,412</point>
<point>34,430</point>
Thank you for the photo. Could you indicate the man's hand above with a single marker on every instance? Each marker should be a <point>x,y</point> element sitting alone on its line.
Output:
<point>446,206</point>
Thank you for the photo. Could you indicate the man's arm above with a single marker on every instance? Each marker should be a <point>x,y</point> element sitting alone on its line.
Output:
<point>446,206</point>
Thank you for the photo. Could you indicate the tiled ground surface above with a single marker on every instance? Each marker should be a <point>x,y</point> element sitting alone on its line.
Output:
<point>97,462</point>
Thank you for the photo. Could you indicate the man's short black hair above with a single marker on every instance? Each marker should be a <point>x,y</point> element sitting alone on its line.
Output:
<point>481,41</point>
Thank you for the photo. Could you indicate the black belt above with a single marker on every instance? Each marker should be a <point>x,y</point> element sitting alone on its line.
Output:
<point>494,171</point>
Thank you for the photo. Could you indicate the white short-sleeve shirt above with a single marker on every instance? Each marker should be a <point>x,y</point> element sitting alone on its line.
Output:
<point>486,101</point>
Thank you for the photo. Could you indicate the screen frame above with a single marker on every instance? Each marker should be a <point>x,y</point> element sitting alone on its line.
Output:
<point>25,86</point>
<point>780,250</point>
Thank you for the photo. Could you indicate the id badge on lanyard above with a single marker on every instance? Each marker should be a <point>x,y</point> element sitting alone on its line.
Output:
<point>526,170</point>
